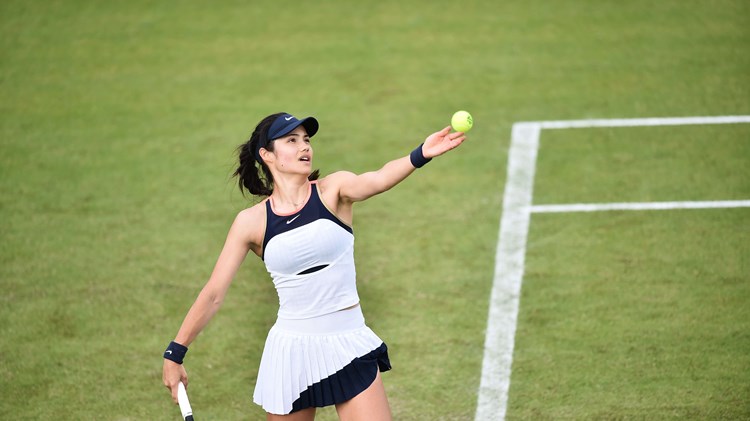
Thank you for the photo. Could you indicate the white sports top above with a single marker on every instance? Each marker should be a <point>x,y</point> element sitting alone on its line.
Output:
<point>310,257</point>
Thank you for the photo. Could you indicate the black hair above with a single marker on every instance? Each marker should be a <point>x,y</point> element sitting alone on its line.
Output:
<point>254,176</point>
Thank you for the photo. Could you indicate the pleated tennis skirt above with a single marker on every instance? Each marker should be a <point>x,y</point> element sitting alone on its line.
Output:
<point>318,362</point>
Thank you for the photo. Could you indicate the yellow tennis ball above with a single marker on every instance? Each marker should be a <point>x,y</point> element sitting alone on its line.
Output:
<point>462,121</point>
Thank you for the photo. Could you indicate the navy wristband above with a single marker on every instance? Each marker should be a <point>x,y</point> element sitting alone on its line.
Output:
<point>175,352</point>
<point>417,157</point>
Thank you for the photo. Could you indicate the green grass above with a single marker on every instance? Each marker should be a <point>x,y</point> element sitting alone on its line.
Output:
<point>118,123</point>
<point>637,314</point>
<point>644,164</point>
<point>634,315</point>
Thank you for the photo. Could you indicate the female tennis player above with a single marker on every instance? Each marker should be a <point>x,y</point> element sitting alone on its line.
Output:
<point>319,352</point>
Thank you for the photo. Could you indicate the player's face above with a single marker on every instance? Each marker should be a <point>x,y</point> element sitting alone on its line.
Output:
<point>293,152</point>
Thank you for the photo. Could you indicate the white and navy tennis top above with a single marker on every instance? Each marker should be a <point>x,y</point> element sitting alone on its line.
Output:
<point>310,257</point>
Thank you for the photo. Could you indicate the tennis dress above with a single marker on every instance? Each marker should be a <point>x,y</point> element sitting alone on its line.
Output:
<point>319,352</point>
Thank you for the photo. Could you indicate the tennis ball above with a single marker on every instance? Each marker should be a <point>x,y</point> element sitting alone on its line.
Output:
<point>462,121</point>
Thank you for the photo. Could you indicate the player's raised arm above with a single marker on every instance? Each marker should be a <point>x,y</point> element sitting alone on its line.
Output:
<point>360,187</point>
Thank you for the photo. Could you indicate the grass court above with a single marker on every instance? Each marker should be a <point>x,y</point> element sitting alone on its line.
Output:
<point>117,132</point>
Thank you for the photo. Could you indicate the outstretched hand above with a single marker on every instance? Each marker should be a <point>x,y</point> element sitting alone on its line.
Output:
<point>441,142</point>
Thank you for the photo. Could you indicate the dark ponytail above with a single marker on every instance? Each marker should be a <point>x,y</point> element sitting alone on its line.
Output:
<point>254,176</point>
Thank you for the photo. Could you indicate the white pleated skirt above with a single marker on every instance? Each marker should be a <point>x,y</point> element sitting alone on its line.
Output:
<point>318,362</point>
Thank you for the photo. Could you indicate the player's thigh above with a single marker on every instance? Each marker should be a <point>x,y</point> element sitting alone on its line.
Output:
<point>303,415</point>
<point>370,405</point>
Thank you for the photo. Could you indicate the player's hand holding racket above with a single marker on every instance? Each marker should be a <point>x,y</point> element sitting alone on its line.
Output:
<point>175,379</point>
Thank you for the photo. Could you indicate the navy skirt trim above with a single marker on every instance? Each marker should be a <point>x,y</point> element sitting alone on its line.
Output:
<point>346,383</point>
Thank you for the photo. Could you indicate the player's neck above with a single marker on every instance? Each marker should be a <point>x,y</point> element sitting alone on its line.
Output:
<point>290,193</point>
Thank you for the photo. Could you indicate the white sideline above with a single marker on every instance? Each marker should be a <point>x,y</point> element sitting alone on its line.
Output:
<point>510,257</point>
<point>595,207</point>
<point>509,261</point>
<point>636,122</point>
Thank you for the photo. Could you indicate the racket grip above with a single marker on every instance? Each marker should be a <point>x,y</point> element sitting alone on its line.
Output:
<point>182,399</point>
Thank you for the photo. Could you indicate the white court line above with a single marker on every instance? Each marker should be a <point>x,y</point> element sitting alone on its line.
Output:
<point>637,122</point>
<point>595,207</point>
<point>509,261</point>
<point>511,249</point>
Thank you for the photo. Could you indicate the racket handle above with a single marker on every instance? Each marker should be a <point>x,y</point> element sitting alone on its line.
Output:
<point>182,399</point>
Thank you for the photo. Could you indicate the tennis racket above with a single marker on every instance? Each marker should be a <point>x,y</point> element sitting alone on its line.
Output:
<point>182,399</point>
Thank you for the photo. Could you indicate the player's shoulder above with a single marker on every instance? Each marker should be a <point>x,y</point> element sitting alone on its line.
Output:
<point>252,215</point>
<point>256,209</point>
<point>250,223</point>
<point>336,178</point>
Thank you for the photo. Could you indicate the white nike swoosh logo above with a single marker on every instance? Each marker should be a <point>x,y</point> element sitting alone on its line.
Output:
<point>292,220</point>
<point>169,350</point>
<point>288,118</point>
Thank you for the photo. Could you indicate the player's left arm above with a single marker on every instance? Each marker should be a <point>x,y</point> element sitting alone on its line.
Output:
<point>356,188</point>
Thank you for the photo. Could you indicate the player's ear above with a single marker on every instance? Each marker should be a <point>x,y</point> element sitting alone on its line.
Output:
<point>266,155</point>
